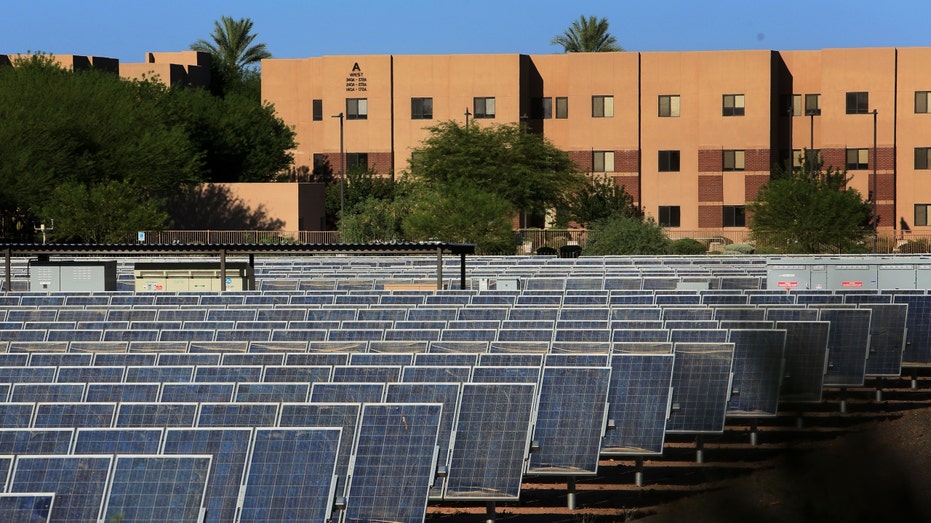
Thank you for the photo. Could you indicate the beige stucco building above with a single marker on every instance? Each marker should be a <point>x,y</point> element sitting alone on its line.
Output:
<point>691,135</point>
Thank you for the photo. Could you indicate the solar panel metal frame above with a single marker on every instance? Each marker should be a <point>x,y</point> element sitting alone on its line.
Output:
<point>281,392</point>
<point>75,499</point>
<point>700,394</point>
<point>156,414</point>
<point>222,415</point>
<point>347,392</point>
<point>139,499</point>
<point>806,360</point>
<point>848,346</point>
<point>50,415</point>
<point>918,329</point>
<point>759,360</point>
<point>197,392</point>
<point>638,402</point>
<point>887,338</point>
<point>32,507</point>
<point>109,440</point>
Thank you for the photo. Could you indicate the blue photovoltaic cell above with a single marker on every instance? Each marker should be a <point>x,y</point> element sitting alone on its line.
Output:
<point>492,440</point>
<point>445,393</point>
<point>78,482</point>
<point>701,380</point>
<point>511,358</point>
<point>118,441</point>
<point>187,360</point>
<point>228,374</point>
<point>887,338</point>
<point>254,358</point>
<point>347,392</point>
<point>156,414</point>
<point>229,448</point>
<point>366,374</point>
<point>65,415</point>
<point>918,341</point>
<point>35,441</point>
<point>380,359</point>
<point>395,456</point>
<point>26,507</point>
<point>806,359</point>
<point>343,415</point>
<point>27,374</point>
<point>156,489</point>
<point>427,374</point>
<point>739,314</point>
<point>318,358</point>
<point>687,314</point>
<point>272,392</point>
<point>638,402</point>
<point>758,362</point>
<point>119,392</point>
<point>698,335</point>
<point>197,392</point>
<point>160,374</point>
<point>290,475</point>
<point>47,392</point>
<point>16,416</point>
<point>848,346</point>
<point>238,415</point>
<point>446,359</point>
<point>639,335</point>
<point>481,374</point>
<point>793,314</point>
<point>570,420</point>
<point>297,373</point>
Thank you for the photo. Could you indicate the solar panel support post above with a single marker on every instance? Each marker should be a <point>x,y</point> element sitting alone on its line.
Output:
<point>490,512</point>
<point>439,268</point>
<point>699,449</point>
<point>754,433</point>
<point>843,400</point>
<point>879,389</point>
<point>8,264</point>
<point>222,270</point>
<point>462,272</point>
<point>570,493</point>
<point>638,471</point>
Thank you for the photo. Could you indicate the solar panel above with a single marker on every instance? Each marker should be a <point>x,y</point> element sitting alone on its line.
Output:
<point>197,392</point>
<point>229,448</point>
<point>157,488</point>
<point>27,374</point>
<point>639,335</point>
<point>758,369</point>
<point>445,393</point>
<point>637,314</point>
<point>499,374</point>
<point>343,415</point>
<point>347,392</point>
<point>47,392</point>
<point>380,359</point>
<point>272,392</point>
<point>492,441</point>
<point>170,359</point>
<point>510,359</point>
<point>701,381</point>
<point>238,415</point>
<point>160,374</point>
<point>338,346</point>
<point>290,475</point>
<point>16,415</point>
<point>394,460</point>
<point>806,360</point>
<point>297,373</point>
<point>638,402</point>
<point>918,328</point>
<point>156,414</point>
<point>78,482</point>
<point>118,441</point>
<point>570,421</point>
<point>27,507</point>
<point>317,358</point>
<point>848,346</point>
<point>253,358</point>
<point>123,359</point>
<point>60,359</point>
<point>436,374</point>
<point>225,374</point>
<point>698,335</point>
<point>444,359</point>
<point>887,338</point>
<point>35,441</point>
<point>575,359</point>
<point>65,415</point>
<point>791,314</point>
<point>687,313</point>
<point>366,373</point>
<point>93,374</point>
<point>447,347</point>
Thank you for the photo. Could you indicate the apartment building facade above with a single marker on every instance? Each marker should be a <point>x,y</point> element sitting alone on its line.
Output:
<point>691,135</point>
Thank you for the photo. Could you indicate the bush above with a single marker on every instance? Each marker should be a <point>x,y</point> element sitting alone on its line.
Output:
<point>914,246</point>
<point>687,246</point>
<point>739,248</point>
<point>626,235</point>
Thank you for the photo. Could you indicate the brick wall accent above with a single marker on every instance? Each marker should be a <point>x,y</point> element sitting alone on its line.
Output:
<point>837,158</point>
<point>752,184</point>
<point>381,162</point>
<point>757,159</point>
<point>887,217</point>
<point>884,186</point>
<point>710,188</point>
<point>834,158</point>
<point>631,185</point>
<point>583,160</point>
<point>710,216</point>
<point>710,160</point>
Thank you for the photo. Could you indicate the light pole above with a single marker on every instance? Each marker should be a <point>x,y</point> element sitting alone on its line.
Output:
<point>875,185</point>
<point>467,114</point>
<point>811,132</point>
<point>342,172</point>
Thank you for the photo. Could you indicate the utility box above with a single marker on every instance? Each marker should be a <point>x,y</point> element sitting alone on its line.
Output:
<point>849,272</point>
<point>72,276</point>
<point>192,277</point>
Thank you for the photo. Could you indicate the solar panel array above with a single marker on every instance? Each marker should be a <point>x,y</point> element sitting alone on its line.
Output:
<point>214,402</point>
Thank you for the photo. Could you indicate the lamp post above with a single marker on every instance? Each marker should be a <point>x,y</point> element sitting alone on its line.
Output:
<point>875,185</point>
<point>811,131</point>
<point>467,114</point>
<point>342,172</point>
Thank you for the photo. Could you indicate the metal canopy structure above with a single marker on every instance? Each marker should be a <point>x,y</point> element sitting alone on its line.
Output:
<point>221,251</point>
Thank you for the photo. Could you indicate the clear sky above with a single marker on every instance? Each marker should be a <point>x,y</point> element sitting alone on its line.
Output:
<point>127,29</point>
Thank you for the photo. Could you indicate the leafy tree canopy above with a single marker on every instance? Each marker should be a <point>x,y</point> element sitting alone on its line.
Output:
<point>626,235</point>
<point>588,34</point>
<point>598,199</point>
<point>810,209</point>
<point>524,169</point>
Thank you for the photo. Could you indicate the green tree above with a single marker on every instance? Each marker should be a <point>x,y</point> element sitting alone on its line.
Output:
<point>810,209</point>
<point>374,219</point>
<point>107,212</point>
<point>598,199</point>
<point>587,35</point>
<point>627,235</point>
<point>235,57</point>
<point>525,169</point>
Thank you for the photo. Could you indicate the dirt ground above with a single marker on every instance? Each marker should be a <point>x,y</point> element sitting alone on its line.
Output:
<point>870,464</point>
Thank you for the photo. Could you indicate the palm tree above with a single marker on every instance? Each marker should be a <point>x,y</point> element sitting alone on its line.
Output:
<point>232,48</point>
<point>587,35</point>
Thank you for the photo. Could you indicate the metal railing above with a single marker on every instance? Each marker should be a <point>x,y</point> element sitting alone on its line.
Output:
<point>238,237</point>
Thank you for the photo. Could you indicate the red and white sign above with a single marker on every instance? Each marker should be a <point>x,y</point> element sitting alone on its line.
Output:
<point>851,284</point>
<point>788,284</point>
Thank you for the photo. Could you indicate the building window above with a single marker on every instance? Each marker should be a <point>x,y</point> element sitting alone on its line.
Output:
<point>669,215</point>
<point>602,106</point>
<point>318,110</point>
<point>797,156</point>
<point>922,157</point>
<point>357,161</point>
<point>734,160</point>
<point>669,105</point>
<point>921,102</point>
<point>541,108</point>
<point>733,105</point>
<point>562,107</point>
<point>668,161</point>
<point>421,108</point>
<point>603,161</point>
<point>858,103</point>
<point>734,216</point>
<point>796,105</point>
<point>921,213</point>
<point>858,159</point>
<point>484,107</point>
<point>812,104</point>
<point>357,108</point>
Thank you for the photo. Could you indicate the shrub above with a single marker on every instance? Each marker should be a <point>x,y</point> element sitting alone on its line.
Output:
<point>739,248</point>
<point>687,246</point>
<point>914,246</point>
<point>627,236</point>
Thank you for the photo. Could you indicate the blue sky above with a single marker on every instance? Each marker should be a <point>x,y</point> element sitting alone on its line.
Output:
<point>127,29</point>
